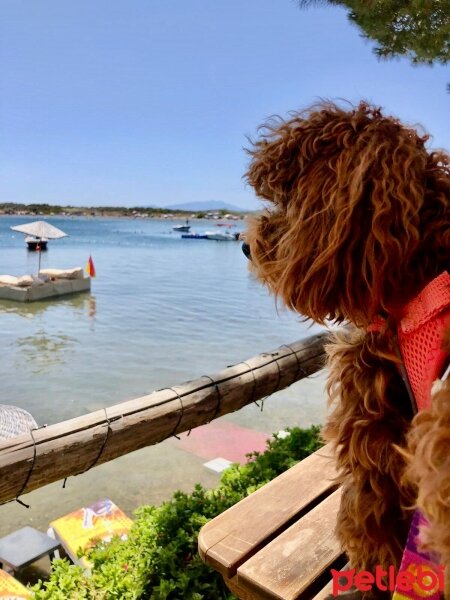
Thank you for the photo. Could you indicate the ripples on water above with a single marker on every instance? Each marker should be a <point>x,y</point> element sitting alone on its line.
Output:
<point>162,310</point>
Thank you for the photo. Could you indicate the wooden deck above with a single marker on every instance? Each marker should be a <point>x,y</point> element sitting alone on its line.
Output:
<point>279,542</point>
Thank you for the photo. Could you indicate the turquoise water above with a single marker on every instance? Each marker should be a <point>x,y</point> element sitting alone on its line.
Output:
<point>162,310</point>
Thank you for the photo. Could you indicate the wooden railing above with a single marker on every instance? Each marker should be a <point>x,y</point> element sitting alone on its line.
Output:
<point>71,447</point>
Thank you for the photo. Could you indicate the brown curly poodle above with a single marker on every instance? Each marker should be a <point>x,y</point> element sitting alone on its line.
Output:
<point>357,225</point>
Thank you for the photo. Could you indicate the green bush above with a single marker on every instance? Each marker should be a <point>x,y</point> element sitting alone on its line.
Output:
<point>159,560</point>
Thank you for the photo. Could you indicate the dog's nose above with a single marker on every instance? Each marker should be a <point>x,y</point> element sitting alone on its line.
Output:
<point>246,250</point>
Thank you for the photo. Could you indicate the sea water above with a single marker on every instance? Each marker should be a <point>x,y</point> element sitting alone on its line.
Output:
<point>162,310</point>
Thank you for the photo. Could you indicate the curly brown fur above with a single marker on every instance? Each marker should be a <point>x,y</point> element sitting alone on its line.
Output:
<point>364,425</point>
<point>360,220</point>
<point>358,224</point>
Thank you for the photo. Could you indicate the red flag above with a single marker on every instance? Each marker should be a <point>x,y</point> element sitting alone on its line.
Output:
<point>90,269</point>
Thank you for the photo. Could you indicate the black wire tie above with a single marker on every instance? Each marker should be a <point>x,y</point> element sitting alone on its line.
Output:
<point>27,478</point>
<point>300,369</point>
<point>252,399</point>
<point>277,387</point>
<point>105,440</point>
<point>180,418</point>
<point>219,399</point>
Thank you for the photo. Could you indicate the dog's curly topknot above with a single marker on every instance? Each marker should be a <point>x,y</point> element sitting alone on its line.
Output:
<point>358,204</point>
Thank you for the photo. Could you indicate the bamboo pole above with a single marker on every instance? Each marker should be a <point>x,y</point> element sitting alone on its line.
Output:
<point>71,447</point>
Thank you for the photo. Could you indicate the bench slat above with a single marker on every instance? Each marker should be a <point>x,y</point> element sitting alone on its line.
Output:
<point>291,563</point>
<point>239,532</point>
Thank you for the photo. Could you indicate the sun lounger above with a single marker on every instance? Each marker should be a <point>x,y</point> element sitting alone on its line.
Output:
<point>11,588</point>
<point>84,527</point>
<point>76,273</point>
<point>23,281</point>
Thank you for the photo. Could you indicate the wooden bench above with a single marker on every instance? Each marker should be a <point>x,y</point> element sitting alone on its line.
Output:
<point>279,542</point>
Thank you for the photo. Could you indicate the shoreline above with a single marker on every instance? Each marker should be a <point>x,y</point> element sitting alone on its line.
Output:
<point>19,210</point>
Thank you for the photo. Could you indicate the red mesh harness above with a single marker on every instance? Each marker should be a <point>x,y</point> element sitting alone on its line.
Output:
<point>421,335</point>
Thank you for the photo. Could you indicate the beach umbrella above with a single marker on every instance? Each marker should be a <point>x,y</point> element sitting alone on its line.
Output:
<point>14,421</point>
<point>40,230</point>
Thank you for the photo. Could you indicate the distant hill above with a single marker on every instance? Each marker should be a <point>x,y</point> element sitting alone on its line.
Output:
<point>206,206</point>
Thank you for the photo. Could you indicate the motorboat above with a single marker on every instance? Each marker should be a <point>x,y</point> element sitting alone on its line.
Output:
<point>35,243</point>
<point>194,236</point>
<point>182,228</point>
<point>220,236</point>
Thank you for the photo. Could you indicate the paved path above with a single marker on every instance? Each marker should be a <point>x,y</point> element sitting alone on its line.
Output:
<point>222,439</point>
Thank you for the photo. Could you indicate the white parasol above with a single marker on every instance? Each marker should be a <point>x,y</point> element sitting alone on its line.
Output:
<point>14,421</point>
<point>40,230</point>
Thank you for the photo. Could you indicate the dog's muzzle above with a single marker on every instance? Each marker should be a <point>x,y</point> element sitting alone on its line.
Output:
<point>246,250</point>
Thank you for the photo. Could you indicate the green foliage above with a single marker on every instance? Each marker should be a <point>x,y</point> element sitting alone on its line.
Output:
<point>417,29</point>
<point>159,560</point>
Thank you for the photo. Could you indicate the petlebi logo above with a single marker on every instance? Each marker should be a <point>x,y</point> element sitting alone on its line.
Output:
<point>416,581</point>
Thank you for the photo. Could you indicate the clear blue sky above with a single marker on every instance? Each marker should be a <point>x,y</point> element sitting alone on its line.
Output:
<point>148,102</point>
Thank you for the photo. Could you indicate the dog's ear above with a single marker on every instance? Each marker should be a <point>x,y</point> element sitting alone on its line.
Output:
<point>357,214</point>
<point>381,209</point>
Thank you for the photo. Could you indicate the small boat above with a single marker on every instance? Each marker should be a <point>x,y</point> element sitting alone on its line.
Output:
<point>194,236</point>
<point>35,243</point>
<point>220,236</point>
<point>181,227</point>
